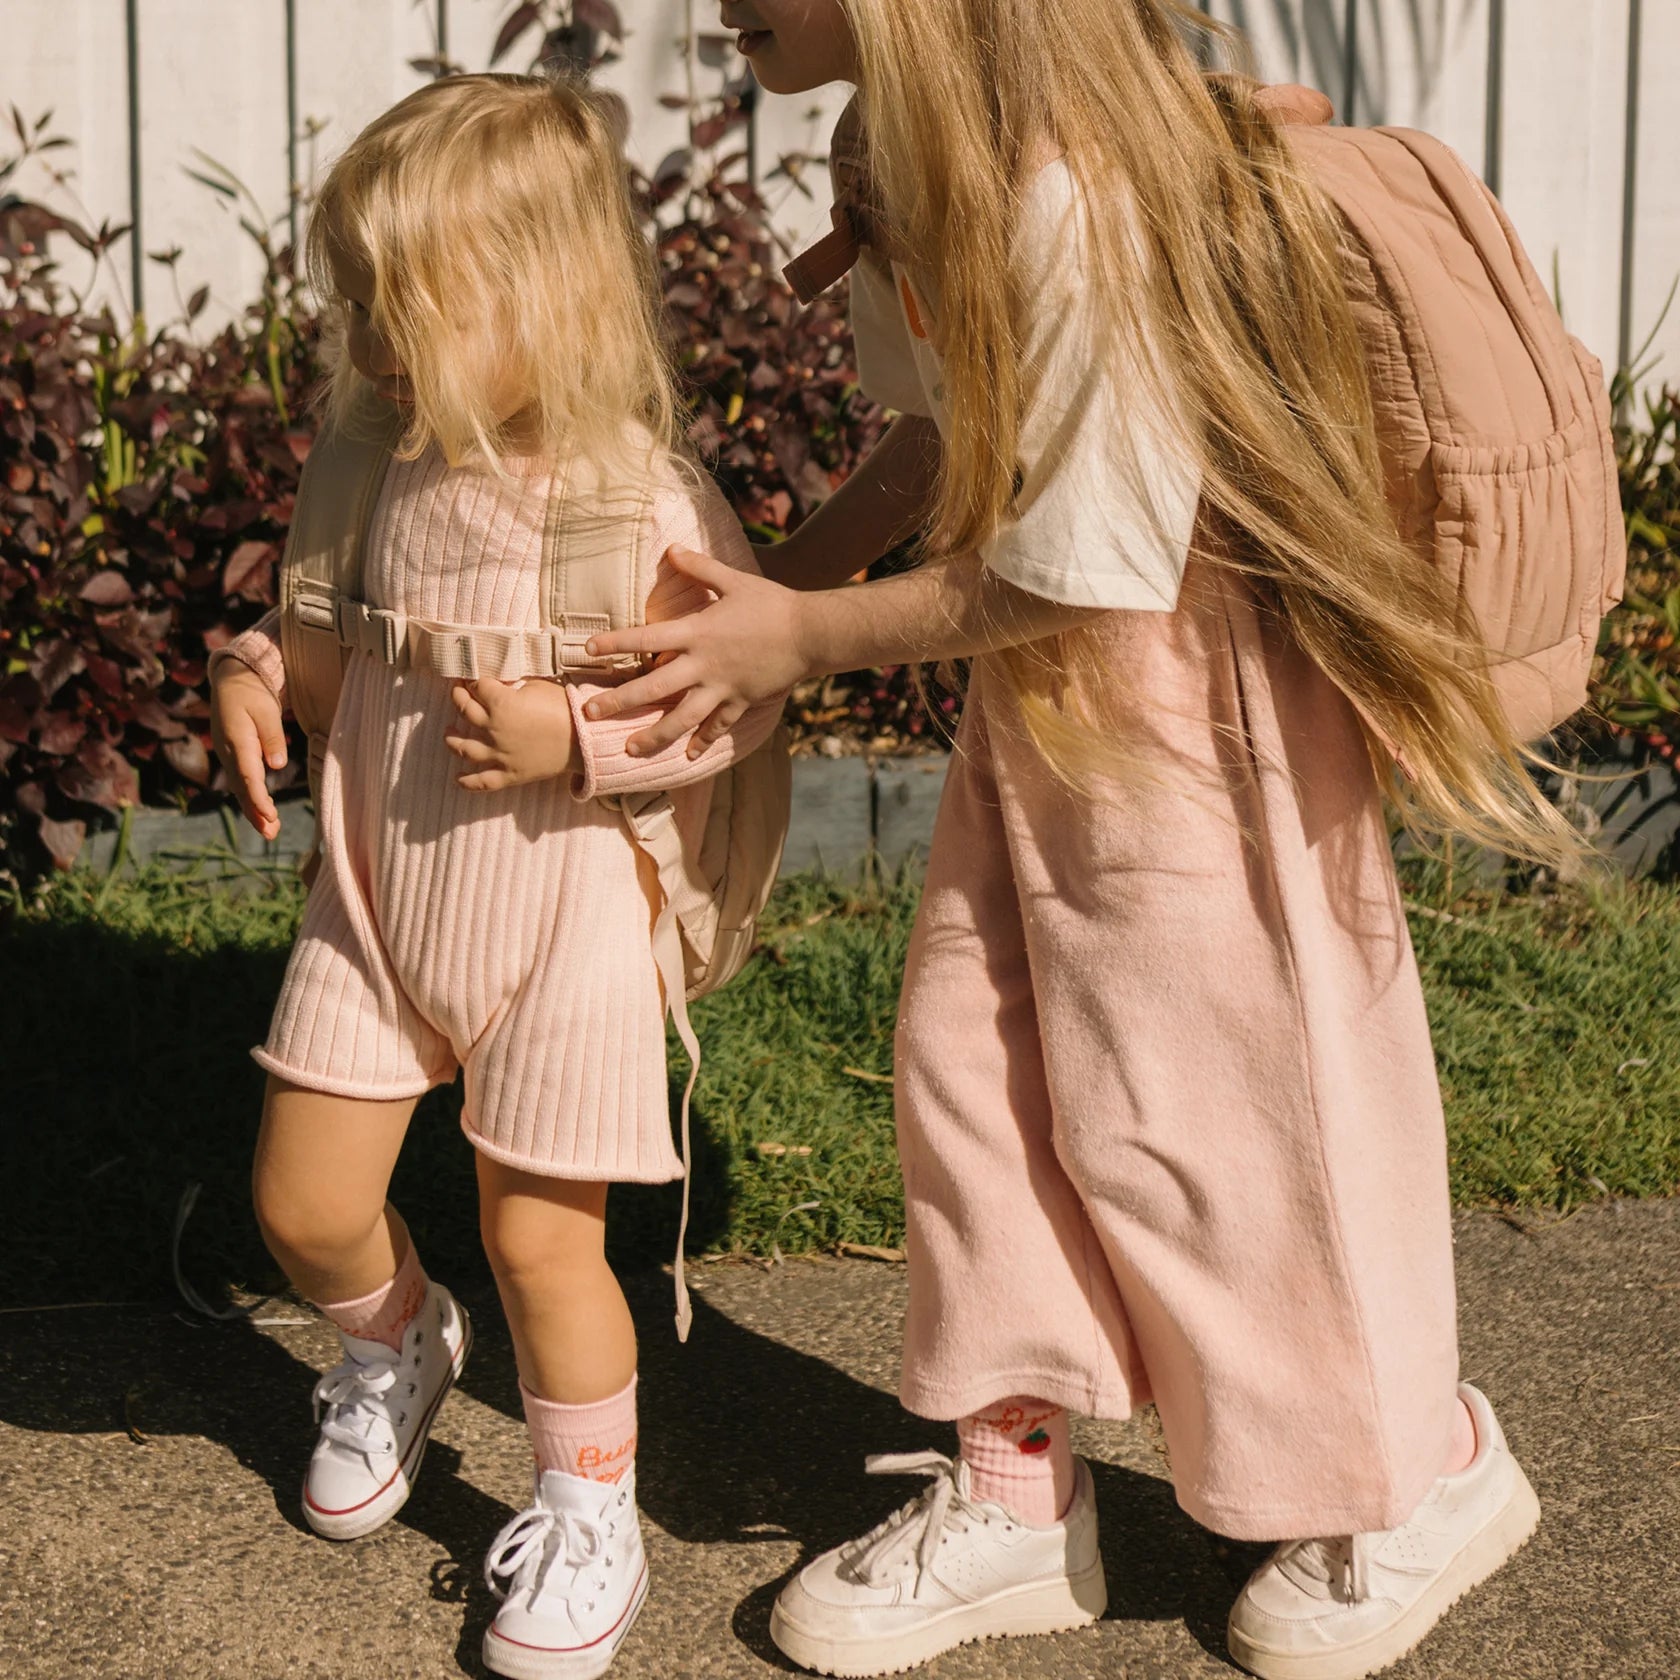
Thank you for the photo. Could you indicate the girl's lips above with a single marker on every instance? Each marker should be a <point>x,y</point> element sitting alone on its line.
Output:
<point>749,41</point>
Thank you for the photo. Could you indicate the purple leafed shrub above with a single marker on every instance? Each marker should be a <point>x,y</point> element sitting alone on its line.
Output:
<point>147,476</point>
<point>146,482</point>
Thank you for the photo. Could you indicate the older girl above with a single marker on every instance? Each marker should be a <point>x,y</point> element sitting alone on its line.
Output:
<point>1168,1113</point>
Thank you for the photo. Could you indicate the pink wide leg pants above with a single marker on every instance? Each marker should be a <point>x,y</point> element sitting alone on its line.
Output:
<point>1168,1111</point>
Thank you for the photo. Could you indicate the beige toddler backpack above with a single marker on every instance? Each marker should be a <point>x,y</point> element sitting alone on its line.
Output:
<point>1493,422</point>
<point>716,846</point>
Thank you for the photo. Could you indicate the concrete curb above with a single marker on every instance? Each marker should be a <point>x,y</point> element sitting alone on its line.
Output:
<point>846,809</point>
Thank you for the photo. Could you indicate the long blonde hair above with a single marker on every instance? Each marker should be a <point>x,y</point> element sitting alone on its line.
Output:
<point>494,215</point>
<point>1225,288</point>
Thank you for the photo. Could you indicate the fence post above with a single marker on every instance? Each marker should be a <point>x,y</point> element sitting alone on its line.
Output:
<point>136,241</point>
<point>1493,140</point>
<point>1630,191</point>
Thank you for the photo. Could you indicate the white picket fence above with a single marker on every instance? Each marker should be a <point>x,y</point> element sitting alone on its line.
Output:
<point>1566,105</point>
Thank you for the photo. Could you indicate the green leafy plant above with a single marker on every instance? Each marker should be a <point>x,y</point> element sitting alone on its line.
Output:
<point>1636,682</point>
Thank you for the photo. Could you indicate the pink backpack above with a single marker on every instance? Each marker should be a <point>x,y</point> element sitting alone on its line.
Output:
<point>1493,422</point>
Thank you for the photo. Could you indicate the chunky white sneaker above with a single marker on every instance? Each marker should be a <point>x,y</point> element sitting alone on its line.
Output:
<point>571,1574</point>
<point>943,1570</point>
<point>376,1409</point>
<point>1343,1608</point>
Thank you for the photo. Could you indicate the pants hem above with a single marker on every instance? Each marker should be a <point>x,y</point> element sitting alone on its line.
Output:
<point>1305,1519</point>
<point>943,1404</point>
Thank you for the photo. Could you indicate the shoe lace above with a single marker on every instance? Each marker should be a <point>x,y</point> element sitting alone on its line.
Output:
<point>353,1396</point>
<point>913,1532</point>
<point>533,1549</point>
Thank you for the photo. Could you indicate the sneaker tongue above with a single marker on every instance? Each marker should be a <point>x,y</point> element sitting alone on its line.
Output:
<point>557,1491</point>
<point>367,1352</point>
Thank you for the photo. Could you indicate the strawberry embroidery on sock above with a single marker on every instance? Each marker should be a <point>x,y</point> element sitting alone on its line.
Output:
<point>1036,1442</point>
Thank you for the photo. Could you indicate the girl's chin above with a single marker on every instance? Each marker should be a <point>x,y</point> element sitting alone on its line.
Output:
<point>772,75</point>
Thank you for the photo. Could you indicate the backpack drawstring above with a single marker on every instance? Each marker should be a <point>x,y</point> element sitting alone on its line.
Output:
<point>652,821</point>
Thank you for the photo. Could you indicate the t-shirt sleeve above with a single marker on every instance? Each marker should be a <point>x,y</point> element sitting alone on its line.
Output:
<point>1109,487</point>
<point>886,356</point>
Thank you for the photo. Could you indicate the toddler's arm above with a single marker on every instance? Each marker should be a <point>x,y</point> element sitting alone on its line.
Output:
<point>258,649</point>
<point>247,694</point>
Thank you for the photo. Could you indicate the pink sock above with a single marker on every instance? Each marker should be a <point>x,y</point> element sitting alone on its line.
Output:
<point>1464,1444</point>
<point>597,1441</point>
<point>385,1314</point>
<point>1018,1455</point>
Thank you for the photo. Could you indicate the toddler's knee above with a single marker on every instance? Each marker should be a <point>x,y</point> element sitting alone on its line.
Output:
<point>531,1255</point>
<point>316,1230</point>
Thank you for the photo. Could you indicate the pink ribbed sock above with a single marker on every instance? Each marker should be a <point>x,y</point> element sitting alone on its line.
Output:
<point>1018,1455</point>
<point>597,1441</point>
<point>385,1314</point>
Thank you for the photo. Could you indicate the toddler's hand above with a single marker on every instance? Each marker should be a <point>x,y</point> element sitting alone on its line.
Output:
<point>512,734</point>
<point>247,733</point>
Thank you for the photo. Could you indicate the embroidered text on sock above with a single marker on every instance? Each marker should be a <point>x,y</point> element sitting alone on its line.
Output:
<point>596,1441</point>
<point>385,1313</point>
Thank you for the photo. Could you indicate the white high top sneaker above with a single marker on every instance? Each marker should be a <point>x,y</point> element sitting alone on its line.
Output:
<point>571,1574</point>
<point>376,1409</point>
<point>943,1570</point>
<point>1343,1608</point>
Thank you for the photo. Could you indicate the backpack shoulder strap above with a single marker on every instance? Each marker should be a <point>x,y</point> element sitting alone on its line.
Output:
<point>336,495</point>
<point>594,565</point>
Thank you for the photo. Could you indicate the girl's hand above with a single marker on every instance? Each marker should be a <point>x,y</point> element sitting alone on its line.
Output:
<point>512,733</point>
<point>247,733</point>
<point>740,650</point>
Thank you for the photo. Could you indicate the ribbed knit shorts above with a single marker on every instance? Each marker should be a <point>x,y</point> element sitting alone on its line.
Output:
<point>500,934</point>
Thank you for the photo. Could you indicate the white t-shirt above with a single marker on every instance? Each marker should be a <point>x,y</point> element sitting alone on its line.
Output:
<point>1109,490</point>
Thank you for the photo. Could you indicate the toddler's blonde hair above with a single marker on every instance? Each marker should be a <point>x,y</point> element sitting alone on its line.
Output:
<point>1223,291</point>
<point>494,215</point>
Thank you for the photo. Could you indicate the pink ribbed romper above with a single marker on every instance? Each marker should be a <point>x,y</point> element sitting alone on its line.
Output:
<point>506,934</point>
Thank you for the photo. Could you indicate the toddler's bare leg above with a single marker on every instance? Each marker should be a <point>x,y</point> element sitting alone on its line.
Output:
<point>318,1184</point>
<point>545,1239</point>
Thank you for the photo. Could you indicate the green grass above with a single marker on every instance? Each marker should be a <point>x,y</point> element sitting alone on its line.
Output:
<point>130,1006</point>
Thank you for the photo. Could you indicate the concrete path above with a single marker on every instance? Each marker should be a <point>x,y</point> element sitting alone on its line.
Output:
<point>181,1555</point>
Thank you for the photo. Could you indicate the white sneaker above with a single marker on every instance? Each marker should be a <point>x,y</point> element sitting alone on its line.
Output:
<point>571,1574</point>
<point>943,1570</point>
<point>376,1409</point>
<point>1343,1608</point>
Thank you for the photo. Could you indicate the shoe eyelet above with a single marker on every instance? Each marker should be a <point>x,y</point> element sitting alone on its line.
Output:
<point>412,1389</point>
<point>402,1419</point>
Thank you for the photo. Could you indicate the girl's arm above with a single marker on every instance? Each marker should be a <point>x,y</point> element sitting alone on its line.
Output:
<point>517,733</point>
<point>612,729</point>
<point>885,501</point>
<point>247,694</point>
<point>758,638</point>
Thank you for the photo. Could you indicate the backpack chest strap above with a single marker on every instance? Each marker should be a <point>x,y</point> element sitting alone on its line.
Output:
<point>469,651</point>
